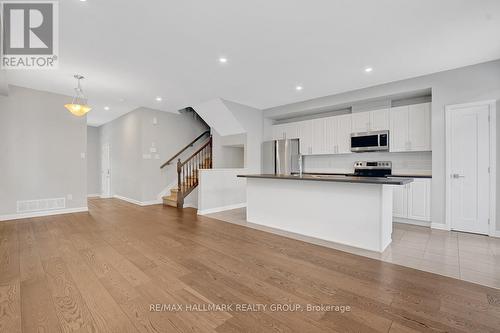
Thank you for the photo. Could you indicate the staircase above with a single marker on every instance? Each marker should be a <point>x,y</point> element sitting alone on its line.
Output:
<point>187,171</point>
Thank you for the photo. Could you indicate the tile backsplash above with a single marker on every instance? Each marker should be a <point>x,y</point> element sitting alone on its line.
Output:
<point>412,162</point>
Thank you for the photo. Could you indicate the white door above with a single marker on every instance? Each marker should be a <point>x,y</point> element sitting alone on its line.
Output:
<point>419,127</point>
<point>419,199</point>
<point>105,172</point>
<point>399,129</point>
<point>399,197</point>
<point>468,179</point>
<point>379,120</point>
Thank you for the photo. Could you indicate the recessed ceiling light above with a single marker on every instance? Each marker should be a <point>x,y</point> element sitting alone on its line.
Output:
<point>299,88</point>
<point>159,99</point>
<point>83,0</point>
<point>368,69</point>
<point>222,60</point>
<point>106,108</point>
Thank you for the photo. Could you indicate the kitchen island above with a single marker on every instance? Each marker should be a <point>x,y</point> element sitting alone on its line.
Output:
<point>350,210</point>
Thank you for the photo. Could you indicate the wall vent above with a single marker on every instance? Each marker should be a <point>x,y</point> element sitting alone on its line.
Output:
<point>40,205</point>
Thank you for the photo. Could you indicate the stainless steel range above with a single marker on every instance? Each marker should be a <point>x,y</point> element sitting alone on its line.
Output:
<point>373,169</point>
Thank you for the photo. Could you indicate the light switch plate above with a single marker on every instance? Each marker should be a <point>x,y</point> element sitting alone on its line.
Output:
<point>146,156</point>
<point>152,149</point>
<point>82,156</point>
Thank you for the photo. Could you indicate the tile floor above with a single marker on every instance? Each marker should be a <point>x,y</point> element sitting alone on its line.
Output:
<point>459,255</point>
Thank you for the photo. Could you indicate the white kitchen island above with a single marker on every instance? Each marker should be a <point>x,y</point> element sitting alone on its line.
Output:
<point>354,211</point>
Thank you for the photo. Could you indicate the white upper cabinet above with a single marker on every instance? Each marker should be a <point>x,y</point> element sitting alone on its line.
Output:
<point>410,128</point>
<point>319,131</point>
<point>285,131</point>
<point>360,122</point>
<point>337,135</point>
<point>279,132</point>
<point>377,120</point>
<point>398,136</point>
<point>419,129</point>
<point>304,129</point>
<point>343,134</point>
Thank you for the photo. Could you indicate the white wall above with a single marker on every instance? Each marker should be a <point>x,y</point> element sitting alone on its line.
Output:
<point>220,190</point>
<point>468,84</point>
<point>135,169</point>
<point>41,145</point>
<point>93,161</point>
<point>251,120</point>
<point>415,163</point>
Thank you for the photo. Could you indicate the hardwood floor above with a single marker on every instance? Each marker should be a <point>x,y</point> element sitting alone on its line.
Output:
<point>102,272</point>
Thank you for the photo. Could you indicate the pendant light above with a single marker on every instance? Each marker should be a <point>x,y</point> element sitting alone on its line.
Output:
<point>78,106</point>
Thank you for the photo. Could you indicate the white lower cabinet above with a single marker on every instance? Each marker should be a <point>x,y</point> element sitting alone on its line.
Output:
<point>413,201</point>
<point>400,201</point>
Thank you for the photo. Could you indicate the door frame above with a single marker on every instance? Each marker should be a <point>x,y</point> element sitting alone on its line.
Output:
<point>492,122</point>
<point>110,194</point>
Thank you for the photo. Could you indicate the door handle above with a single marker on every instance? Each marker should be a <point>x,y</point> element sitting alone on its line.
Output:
<point>456,176</point>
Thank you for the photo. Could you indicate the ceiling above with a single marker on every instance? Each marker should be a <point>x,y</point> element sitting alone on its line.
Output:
<point>133,51</point>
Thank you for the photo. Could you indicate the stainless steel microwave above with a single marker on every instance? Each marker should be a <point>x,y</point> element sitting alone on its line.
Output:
<point>370,141</point>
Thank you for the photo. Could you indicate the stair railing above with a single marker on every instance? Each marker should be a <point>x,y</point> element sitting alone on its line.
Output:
<point>187,171</point>
<point>184,149</point>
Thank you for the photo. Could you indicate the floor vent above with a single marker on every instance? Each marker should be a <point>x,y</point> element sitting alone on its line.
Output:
<point>40,205</point>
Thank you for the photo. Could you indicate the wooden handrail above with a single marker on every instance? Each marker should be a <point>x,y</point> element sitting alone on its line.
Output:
<point>209,142</point>
<point>184,149</point>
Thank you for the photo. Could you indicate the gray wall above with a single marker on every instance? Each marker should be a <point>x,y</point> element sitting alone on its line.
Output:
<point>41,145</point>
<point>134,174</point>
<point>124,136</point>
<point>251,120</point>
<point>93,161</point>
<point>468,84</point>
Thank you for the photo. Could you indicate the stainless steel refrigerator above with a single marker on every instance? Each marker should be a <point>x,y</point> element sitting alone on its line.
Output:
<point>281,157</point>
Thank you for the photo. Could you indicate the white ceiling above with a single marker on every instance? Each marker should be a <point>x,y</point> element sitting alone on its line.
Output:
<point>132,51</point>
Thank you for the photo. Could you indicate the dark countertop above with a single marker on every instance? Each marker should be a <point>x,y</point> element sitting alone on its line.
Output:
<point>411,176</point>
<point>393,175</point>
<point>336,178</point>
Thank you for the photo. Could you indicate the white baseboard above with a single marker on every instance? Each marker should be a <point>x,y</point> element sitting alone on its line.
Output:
<point>137,202</point>
<point>190,205</point>
<point>95,195</point>
<point>440,226</point>
<point>412,222</point>
<point>496,234</point>
<point>43,213</point>
<point>220,209</point>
